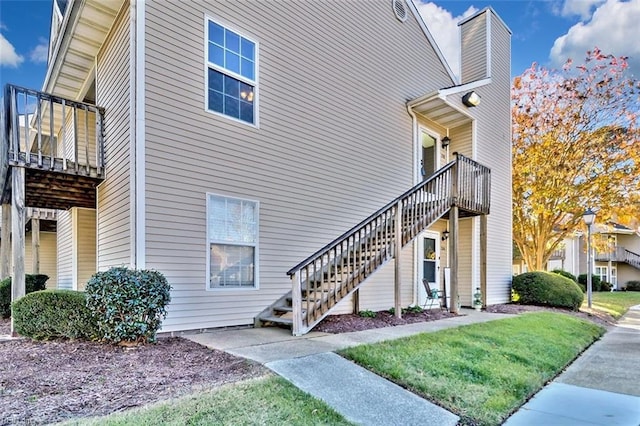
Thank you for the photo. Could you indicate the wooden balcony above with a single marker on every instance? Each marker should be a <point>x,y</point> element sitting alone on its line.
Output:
<point>59,142</point>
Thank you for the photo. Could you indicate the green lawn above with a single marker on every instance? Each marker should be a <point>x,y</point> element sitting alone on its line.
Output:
<point>615,303</point>
<point>266,401</point>
<point>482,372</point>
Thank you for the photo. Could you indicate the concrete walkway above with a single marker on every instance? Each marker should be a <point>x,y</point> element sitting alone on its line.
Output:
<point>357,394</point>
<point>602,387</point>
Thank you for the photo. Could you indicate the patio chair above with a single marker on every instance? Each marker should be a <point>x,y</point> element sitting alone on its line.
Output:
<point>433,296</point>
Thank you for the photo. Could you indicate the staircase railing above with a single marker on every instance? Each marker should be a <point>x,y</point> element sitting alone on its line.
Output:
<point>335,271</point>
<point>632,258</point>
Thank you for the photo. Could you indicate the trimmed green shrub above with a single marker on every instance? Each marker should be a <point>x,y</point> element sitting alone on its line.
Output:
<point>566,274</point>
<point>33,282</point>
<point>129,305</point>
<point>632,286</point>
<point>605,286</point>
<point>547,289</point>
<point>596,282</point>
<point>51,314</point>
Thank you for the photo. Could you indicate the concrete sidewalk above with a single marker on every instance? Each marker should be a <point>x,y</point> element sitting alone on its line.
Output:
<point>356,393</point>
<point>602,387</point>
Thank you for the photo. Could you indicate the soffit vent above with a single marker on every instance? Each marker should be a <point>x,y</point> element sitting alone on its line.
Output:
<point>400,9</point>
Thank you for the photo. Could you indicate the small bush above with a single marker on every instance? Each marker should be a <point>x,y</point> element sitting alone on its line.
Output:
<point>632,286</point>
<point>547,289</point>
<point>51,314</point>
<point>367,314</point>
<point>596,282</point>
<point>605,286</point>
<point>129,305</point>
<point>566,274</point>
<point>33,282</point>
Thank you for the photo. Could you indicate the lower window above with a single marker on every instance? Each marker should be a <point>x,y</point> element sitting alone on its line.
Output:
<point>232,238</point>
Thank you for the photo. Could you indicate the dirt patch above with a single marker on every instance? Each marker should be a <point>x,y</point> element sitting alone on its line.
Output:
<point>353,322</point>
<point>5,326</point>
<point>46,382</point>
<point>598,317</point>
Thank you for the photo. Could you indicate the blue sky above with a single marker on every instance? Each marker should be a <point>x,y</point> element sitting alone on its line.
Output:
<point>546,32</point>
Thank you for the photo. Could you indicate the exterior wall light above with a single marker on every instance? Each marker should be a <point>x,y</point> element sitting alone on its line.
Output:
<point>445,235</point>
<point>471,99</point>
<point>445,141</point>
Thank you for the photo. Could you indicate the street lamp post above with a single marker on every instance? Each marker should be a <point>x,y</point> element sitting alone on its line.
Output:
<point>589,217</point>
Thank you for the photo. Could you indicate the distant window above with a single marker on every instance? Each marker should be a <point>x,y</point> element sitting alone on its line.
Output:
<point>231,73</point>
<point>232,241</point>
<point>601,271</point>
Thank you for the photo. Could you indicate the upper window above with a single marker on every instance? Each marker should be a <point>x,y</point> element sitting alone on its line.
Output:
<point>231,73</point>
<point>232,234</point>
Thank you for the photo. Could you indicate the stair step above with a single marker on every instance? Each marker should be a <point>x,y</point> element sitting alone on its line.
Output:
<point>277,320</point>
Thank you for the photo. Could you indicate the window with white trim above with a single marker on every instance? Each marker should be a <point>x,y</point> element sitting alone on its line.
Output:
<point>232,242</point>
<point>231,73</point>
<point>601,271</point>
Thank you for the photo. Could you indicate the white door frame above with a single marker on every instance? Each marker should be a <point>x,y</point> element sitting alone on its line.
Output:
<point>422,294</point>
<point>418,150</point>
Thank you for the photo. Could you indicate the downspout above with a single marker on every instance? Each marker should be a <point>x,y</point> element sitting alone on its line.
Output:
<point>414,144</point>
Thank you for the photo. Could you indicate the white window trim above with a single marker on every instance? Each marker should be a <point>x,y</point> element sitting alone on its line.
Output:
<point>255,83</point>
<point>256,245</point>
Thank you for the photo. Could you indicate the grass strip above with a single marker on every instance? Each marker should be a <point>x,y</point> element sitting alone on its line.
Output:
<point>615,303</point>
<point>481,372</point>
<point>265,401</point>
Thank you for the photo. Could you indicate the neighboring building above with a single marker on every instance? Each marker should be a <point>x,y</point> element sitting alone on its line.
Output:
<point>616,255</point>
<point>221,143</point>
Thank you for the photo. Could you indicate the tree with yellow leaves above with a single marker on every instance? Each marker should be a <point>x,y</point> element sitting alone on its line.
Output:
<point>576,144</point>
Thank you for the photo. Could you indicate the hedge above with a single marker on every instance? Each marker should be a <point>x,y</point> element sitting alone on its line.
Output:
<point>632,286</point>
<point>547,289</point>
<point>33,282</point>
<point>50,314</point>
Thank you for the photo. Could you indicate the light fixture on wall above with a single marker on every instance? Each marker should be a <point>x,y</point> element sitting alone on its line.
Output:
<point>445,235</point>
<point>445,141</point>
<point>471,99</point>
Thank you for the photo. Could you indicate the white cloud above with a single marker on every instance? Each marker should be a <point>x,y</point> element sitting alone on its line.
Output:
<point>444,29</point>
<point>8,55</point>
<point>581,8</point>
<point>40,53</point>
<point>613,28</point>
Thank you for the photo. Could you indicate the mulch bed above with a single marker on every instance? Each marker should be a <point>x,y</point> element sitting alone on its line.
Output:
<point>47,382</point>
<point>353,322</point>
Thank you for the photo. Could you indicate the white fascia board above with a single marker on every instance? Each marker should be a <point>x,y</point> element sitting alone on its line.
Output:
<point>464,87</point>
<point>426,31</point>
<point>62,44</point>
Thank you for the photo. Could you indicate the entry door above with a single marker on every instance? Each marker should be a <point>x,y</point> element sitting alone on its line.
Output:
<point>429,153</point>
<point>430,262</point>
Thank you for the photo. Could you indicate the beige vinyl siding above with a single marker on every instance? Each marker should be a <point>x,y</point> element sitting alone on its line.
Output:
<point>85,232</point>
<point>474,49</point>
<point>112,92</point>
<point>333,143</point>
<point>65,250</point>
<point>48,257</point>
<point>629,242</point>
<point>494,150</point>
<point>627,273</point>
<point>466,261</point>
<point>462,140</point>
